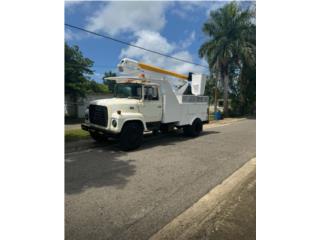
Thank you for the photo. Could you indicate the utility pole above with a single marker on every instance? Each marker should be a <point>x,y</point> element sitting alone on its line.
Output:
<point>216,90</point>
<point>215,97</point>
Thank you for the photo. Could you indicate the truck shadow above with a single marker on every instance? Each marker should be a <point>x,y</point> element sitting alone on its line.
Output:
<point>96,170</point>
<point>106,165</point>
<point>171,138</point>
<point>167,139</point>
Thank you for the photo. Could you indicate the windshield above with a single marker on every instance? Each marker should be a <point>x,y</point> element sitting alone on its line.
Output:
<point>128,90</point>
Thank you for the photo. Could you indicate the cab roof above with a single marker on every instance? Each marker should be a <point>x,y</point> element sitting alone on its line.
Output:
<point>131,79</point>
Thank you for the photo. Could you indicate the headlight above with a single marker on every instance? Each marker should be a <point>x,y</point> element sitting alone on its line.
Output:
<point>114,123</point>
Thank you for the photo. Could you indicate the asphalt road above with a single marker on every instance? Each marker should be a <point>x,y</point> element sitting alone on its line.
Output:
<point>111,194</point>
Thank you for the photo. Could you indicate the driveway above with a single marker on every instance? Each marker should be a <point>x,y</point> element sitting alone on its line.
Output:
<point>111,194</point>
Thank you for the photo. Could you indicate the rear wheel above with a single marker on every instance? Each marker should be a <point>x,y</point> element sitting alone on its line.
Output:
<point>193,130</point>
<point>131,136</point>
<point>98,137</point>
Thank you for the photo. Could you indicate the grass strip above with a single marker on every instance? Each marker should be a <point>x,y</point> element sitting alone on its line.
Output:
<point>75,134</point>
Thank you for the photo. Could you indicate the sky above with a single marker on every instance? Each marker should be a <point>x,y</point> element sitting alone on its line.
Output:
<point>172,28</point>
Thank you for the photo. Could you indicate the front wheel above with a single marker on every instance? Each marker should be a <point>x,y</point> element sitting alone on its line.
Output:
<point>193,130</point>
<point>131,136</point>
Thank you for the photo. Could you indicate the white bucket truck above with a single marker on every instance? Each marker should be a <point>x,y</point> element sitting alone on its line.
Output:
<point>148,100</point>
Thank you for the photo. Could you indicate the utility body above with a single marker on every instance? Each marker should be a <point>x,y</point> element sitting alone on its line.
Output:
<point>148,100</point>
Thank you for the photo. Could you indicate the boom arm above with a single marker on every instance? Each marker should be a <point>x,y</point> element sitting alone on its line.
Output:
<point>198,81</point>
<point>133,67</point>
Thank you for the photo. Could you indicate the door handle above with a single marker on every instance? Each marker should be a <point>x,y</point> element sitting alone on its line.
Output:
<point>159,106</point>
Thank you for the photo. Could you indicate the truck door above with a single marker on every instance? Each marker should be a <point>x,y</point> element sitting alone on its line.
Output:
<point>152,104</point>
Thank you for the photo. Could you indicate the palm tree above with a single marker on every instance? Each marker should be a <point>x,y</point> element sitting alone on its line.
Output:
<point>230,31</point>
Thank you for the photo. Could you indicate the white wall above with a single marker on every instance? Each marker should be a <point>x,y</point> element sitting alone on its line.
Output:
<point>79,107</point>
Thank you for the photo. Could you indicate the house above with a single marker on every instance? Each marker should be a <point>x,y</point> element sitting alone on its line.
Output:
<point>220,105</point>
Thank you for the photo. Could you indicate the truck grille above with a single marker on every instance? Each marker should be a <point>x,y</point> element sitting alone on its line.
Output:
<point>98,115</point>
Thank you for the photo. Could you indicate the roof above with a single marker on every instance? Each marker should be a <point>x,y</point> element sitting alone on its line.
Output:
<point>128,79</point>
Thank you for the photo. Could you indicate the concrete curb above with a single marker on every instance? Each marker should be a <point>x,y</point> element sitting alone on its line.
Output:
<point>218,124</point>
<point>190,219</point>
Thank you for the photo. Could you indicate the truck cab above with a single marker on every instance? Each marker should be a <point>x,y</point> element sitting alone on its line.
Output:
<point>135,103</point>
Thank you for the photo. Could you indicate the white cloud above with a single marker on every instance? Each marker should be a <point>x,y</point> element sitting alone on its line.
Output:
<point>193,5</point>
<point>149,40</point>
<point>186,9</point>
<point>185,67</point>
<point>68,34</point>
<point>189,40</point>
<point>154,41</point>
<point>97,74</point>
<point>118,17</point>
<point>72,34</point>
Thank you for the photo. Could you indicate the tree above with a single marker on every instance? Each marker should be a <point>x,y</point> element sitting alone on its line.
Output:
<point>77,72</point>
<point>98,87</point>
<point>77,76</point>
<point>230,42</point>
<point>109,83</point>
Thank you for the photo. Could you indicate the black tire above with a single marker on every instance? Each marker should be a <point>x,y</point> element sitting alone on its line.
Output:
<point>131,136</point>
<point>193,130</point>
<point>98,137</point>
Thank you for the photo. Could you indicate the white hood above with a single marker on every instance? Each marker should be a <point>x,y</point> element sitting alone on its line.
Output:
<point>114,101</point>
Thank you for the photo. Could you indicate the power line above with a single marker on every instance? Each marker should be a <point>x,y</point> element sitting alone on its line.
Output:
<point>132,45</point>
